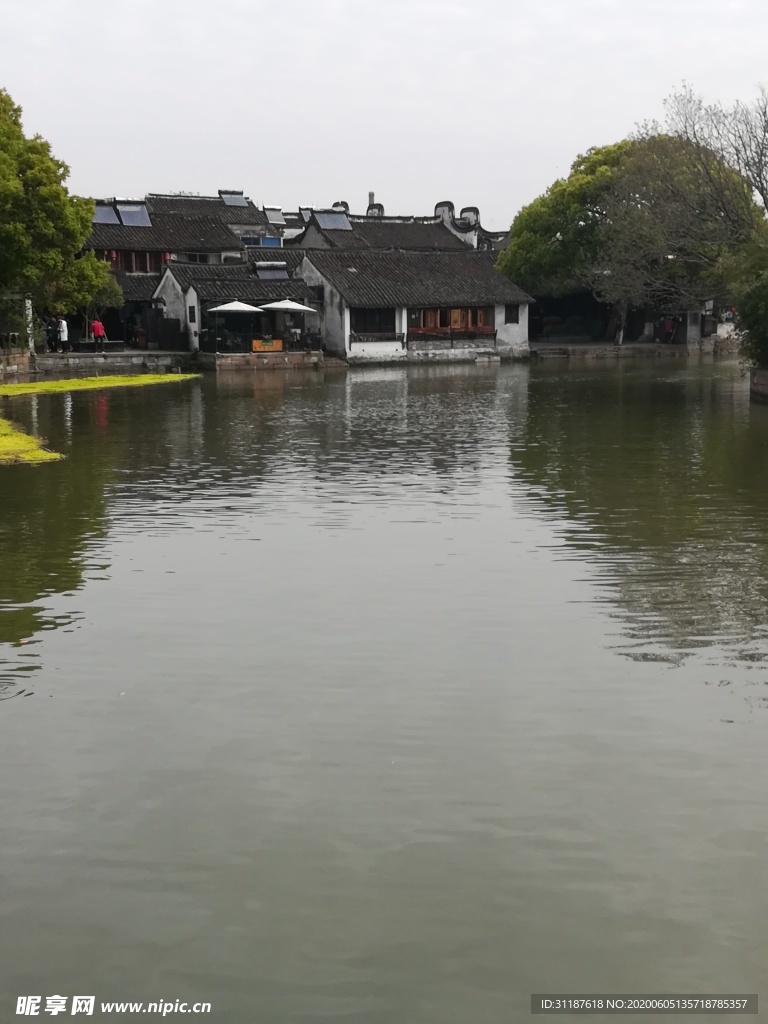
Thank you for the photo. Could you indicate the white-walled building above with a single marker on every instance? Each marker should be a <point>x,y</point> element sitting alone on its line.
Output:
<point>185,292</point>
<point>401,306</point>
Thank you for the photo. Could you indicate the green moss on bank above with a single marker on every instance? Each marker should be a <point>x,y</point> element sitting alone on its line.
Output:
<point>16,446</point>
<point>52,387</point>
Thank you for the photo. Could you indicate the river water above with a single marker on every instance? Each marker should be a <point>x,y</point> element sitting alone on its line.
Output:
<point>391,696</point>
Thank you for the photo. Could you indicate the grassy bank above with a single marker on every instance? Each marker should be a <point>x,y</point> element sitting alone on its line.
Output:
<point>53,387</point>
<point>16,446</point>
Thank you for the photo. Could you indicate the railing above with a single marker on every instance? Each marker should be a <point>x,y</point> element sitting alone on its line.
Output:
<point>368,339</point>
<point>448,339</point>
<point>237,342</point>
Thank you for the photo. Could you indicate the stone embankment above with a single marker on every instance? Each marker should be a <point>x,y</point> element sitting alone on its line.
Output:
<point>13,361</point>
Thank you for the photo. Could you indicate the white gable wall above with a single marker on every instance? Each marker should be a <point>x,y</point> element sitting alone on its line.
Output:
<point>512,339</point>
<point>170,291</point>
<point>334,319</point>
<point>191,319</point>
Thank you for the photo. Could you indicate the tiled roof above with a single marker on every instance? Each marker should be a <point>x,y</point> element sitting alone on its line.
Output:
<point>379,233</point>
<point>188,273</point>
<point>390,233</point>
<point>253,290</point>
<point>204,206</point>
<point>268,254</point>
<point>385,279</point>
<point>137,287</point>
<point>240,282</point>
<point>168,233</point>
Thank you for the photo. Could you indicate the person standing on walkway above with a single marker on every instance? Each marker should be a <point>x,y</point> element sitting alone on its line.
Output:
<point>99,334</point>
<point>63,334</point>
<point>52,334</point>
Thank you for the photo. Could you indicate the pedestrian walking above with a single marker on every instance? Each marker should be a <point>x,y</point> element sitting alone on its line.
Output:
<point>98,334</point>
<point>64,335</point>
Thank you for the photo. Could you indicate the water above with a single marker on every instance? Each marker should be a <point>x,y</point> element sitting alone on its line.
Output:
<point>390,696</point>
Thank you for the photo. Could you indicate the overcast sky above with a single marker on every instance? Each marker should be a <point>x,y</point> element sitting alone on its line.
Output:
<point>483,102</point>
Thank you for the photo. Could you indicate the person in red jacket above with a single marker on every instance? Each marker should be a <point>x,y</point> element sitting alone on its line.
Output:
<point>98,334</point>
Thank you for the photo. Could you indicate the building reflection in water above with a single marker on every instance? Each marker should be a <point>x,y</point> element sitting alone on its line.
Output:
<point>653,479</point>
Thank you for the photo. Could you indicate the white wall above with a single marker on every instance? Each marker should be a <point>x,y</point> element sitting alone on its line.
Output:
<point>377,350</point>
<point>447,213</point>
<point>512,339</point>
<point>334,318</point>
<point>169,289</point>
<point>193,329</point>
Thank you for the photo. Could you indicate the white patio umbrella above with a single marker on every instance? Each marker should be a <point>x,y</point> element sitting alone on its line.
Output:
<point>236,307</point>
<point>288,306</point>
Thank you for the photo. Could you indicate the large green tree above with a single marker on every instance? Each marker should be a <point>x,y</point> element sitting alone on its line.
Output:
<point>647,222</point>
<point>726,153</point>
<point>42,227</point>
<point>555,239</point>
<point>664,236</point>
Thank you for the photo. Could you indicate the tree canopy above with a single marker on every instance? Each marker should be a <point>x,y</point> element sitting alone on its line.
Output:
<point>748,276</point>
<point>647,221</point>
<point>42,227</point>
<point>727,156</point>
<point>664,236</point>
<point>554,240</point>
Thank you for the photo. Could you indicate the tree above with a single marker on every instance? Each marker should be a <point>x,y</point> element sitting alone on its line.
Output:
<point>83,284</point>
<point>664,235</point>
<point>554,240</point>
<point>727,153</point>
<point>736,135</point>
<point>748,276</point>
<point>42,227</point>
<point>646,222</point>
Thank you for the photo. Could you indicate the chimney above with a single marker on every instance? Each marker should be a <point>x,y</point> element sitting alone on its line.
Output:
<point>370,198</point>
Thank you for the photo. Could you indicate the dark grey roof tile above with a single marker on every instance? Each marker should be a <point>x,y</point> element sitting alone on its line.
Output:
<point>385,279</point>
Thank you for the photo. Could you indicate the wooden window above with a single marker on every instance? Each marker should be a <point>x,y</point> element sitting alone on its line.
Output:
<point>512,313</point>
<point>153,262</point>
<point>480,317</point>
<point>456,319</point>
<point>430,318</point>
<point>192,314</point>
<point>444,318</point>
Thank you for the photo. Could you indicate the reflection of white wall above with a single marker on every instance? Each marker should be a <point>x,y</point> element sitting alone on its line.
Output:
<point>511,406</point>
<point>68,413</point>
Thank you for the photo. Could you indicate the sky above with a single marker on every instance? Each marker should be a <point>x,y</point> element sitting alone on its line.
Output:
<point>481,102</point>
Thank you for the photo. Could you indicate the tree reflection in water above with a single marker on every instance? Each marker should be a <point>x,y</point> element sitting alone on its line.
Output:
<point>661,478</point>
